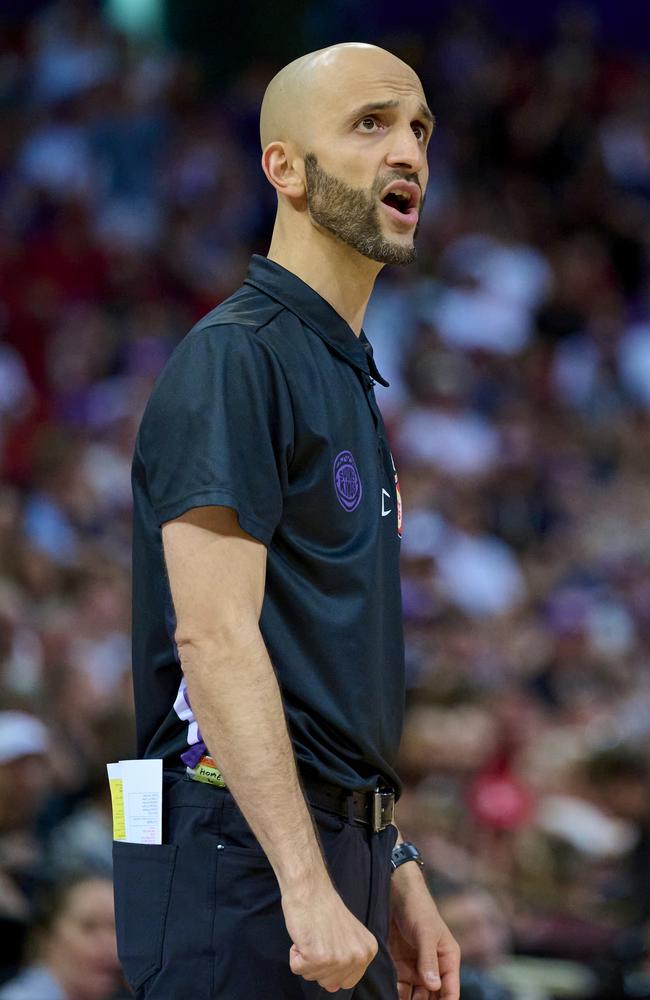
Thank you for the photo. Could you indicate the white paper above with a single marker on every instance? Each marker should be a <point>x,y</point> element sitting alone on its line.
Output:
<point>142,798</point>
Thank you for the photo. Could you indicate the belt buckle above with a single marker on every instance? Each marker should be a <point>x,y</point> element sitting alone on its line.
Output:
<point>383,809</point>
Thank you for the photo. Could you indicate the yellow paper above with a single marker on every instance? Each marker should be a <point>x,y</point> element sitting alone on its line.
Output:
<point>136,794</point>
<point>119,818</point>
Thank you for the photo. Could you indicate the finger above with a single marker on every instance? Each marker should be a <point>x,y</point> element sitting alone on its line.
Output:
<point>428,970</point>
<point>352,979</point>
<point>340,980</point>
<point>450,968</point>
<point>403,990</point>
<point>450,986</point>
<point>300,966</point>
<point>430,981</point>
<point>421,993</point>
<point>309,967</point>
<point>332,982</point>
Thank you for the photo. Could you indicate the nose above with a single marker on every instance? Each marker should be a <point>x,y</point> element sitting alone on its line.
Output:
<point>406,151</point>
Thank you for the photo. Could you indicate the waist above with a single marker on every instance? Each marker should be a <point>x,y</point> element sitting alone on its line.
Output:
<point>375,809</point>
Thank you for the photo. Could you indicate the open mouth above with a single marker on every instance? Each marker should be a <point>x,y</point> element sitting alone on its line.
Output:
<point>401,201</point>
<point>398,200</point>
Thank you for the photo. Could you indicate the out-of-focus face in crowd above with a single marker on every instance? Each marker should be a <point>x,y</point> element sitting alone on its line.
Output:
<point>77,943</point>
<point>23,787</point>
<point>24,770</point>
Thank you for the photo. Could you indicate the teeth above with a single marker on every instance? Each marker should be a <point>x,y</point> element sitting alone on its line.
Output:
<point>401,200</point>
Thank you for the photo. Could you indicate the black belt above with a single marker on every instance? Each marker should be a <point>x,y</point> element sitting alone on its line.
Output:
<point>376,809</point>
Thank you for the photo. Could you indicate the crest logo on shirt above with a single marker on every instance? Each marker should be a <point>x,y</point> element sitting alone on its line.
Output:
<point>347,481</point>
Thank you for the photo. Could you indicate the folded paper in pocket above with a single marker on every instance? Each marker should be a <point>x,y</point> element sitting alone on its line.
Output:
<point>136,795</point>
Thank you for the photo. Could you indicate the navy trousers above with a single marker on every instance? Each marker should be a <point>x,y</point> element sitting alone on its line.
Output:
<point>199,915</point>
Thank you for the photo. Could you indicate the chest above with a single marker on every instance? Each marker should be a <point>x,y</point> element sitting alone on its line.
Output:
<point>343,486</point>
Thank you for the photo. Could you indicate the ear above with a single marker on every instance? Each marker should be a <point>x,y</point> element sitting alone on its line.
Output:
<point>282,170</point>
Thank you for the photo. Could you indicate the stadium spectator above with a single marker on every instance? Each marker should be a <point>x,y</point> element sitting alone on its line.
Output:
<point>72,941</point>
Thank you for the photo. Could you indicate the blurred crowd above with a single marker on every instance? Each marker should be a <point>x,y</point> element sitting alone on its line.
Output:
<point>518,352</point>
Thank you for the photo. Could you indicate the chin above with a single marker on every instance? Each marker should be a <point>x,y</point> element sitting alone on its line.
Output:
<point>403,253</point>
<point>401,241</point>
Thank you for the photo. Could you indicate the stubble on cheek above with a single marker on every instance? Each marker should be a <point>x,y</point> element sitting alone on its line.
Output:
<point>352,214</point>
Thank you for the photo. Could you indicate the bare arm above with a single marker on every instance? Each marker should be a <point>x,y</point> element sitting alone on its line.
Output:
<point>217,574</point>
<point>426,956</point>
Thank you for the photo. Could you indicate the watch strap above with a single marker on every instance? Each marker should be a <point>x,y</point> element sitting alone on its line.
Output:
<point>404,852</point>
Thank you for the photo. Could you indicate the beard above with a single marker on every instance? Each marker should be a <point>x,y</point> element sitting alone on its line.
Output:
<point>352,214</point>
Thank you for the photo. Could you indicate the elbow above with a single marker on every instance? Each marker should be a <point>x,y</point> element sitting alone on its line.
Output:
<point>218,640</point>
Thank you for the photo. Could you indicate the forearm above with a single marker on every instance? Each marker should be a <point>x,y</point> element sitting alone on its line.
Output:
<point>236,699</point>
<point>407,878</point>
<point>423,950</point>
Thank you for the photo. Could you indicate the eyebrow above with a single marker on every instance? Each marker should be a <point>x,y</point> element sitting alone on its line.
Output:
<point>423,110</point>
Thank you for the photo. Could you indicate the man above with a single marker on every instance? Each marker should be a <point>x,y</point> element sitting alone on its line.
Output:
<point>263,476</point>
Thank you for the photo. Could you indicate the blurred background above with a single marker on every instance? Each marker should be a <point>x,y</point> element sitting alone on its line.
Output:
<point>518,352</point>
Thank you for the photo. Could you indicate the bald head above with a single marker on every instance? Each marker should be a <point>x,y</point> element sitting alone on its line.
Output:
<point>338,128</point>
<point>298,93</point>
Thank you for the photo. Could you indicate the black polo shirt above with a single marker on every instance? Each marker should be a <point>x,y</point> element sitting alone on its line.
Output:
<point>267,406</point>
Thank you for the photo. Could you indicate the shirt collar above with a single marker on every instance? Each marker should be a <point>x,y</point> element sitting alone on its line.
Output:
<point>314,311</point>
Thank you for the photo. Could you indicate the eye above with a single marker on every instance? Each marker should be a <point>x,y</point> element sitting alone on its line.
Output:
<point>419,132</point>
<point>366,124</point>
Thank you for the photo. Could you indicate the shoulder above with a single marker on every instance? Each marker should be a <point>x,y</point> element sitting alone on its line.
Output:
<point>248,328</point>
<point>229,357</point>
<point>248,309</point>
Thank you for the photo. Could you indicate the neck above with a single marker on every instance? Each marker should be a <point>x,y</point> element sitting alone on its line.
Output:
<point>341,275</point>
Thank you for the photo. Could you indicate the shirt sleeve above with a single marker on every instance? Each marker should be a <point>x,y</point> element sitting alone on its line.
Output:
<point>218,429</point>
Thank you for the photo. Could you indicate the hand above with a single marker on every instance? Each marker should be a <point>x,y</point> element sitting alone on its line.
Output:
<point>426,956</point>
<point>329,944</point>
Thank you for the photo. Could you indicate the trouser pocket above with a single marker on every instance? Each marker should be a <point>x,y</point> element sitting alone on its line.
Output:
<point>142,876</point>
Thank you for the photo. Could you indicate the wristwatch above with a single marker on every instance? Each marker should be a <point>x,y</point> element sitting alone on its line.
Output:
<point>405,852</point>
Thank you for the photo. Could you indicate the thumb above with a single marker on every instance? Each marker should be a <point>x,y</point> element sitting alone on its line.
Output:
<point>296,961</point>
<point>427,966</point>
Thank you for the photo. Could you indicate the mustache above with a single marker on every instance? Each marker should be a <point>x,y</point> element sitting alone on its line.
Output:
<point>399,175</point>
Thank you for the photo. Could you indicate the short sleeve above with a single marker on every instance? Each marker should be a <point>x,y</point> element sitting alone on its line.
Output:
<point>218,429</point>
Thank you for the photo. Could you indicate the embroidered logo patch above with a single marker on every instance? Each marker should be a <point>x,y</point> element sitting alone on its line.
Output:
<point>347,481</point>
